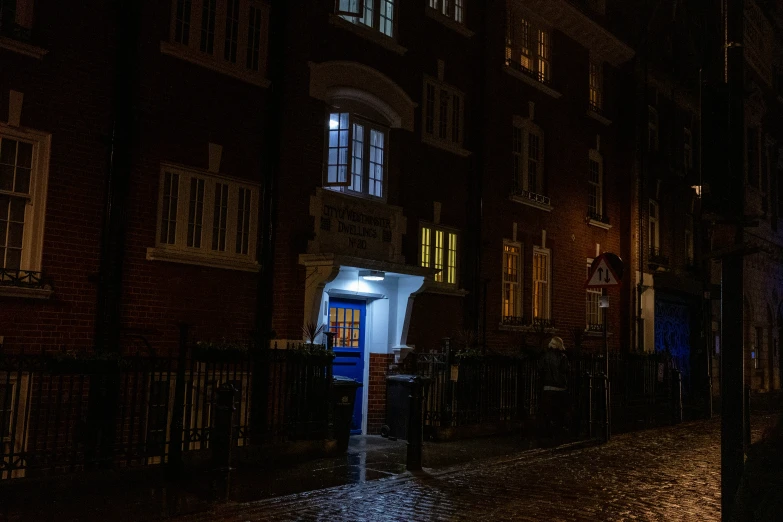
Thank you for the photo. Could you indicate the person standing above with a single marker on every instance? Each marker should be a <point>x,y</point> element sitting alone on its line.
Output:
<point>553,370</point>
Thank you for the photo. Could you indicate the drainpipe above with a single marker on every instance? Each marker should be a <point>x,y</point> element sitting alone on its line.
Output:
<point>109,298</point>
<point>270,167</point>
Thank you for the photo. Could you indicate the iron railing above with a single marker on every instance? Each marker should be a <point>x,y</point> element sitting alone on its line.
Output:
<point>65,414</point>
<point>529,195</point>
<point>22,278</point>
<point>657,258</point>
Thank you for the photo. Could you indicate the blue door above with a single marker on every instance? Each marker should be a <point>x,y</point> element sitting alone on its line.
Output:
<point>346,321</point>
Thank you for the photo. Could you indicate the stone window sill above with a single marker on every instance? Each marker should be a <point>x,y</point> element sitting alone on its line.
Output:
<point>214,64</point>
<point>531,203</point>
<point>597,117</point>
<point>201,259</point>
<point>599,224</point>
<point>448,22</point>
<point>26,293</point>
<point>533,83</point>
<point>372,35</point>
<point>22,48</point>
<point>445,145</point>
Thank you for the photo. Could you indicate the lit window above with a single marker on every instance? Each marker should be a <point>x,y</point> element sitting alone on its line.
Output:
<point>215,33</point>
<point>528,159</point>
<point>528,48</point>
<point>205,218</point>
<point>596,87</point>
<point>374,14</point>
<point>443,113</point>
<point>453,9</point>
<point>23,179</point>
<point>512,284</point>
<point>541,285</point>
<point>595,183</point>
<point>356,155</point>
<point>438,250</point>
<point>594,315</point>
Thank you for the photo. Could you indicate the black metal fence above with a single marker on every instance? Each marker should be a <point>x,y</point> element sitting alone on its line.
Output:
<point>65,414</point>
<point>487,389</point>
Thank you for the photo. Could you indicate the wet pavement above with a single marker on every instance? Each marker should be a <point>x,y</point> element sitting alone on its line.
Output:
<point>147,496</point>
<point>670,474</point>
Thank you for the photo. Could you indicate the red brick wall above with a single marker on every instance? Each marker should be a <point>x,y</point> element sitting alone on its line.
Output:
<point>376,394</point>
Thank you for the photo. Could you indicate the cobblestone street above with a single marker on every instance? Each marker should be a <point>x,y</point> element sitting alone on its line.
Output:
<point>670,473</point>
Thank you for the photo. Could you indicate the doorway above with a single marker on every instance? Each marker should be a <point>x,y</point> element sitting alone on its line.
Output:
<point>347,320</point>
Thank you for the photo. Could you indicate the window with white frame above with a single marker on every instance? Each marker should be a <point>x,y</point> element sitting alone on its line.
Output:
<point>595,319</point>
<point>356,151</point>
<point>528,158</point>
<point>541,285</point>
<point>596,86</point>
<point>595,183</point>
<point>689,240</point>
<point>453,9</point>
<point>654,229</point>
<point>438,250</point>
<point>512,283</point>
<point>442,110</point>
<point>374,14</point>
<point>206,218</point>
<point>23,178</point>
<point>16,19</point>
<point>652,128</point>
<point>687,149</point>
<point>229,34</point>
<point>528,47</point>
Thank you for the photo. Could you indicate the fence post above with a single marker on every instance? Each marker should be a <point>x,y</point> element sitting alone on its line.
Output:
<point>676,397</point>
<point>588,406</point>
<point>415,431</point>
<point>331,433</point>
<point>448,398</point>
<point>223,440</point>
<point>175,463</point>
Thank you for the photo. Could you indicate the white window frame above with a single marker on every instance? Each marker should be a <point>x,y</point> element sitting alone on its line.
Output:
<point>596,86</point>
<point>204,255</point>
<point>344,186</point>
<point>432,123</point>
<point>356,12</point>
<point>597,186</point>
<point>512,285</point>
<point>546,313</point>
<point>529,46</point>
<point>452,9</point>
<point>35,209</point>
<point>447,261</point>
<point>522,160</point>
<point>216,60</point>
<point>653,238</point>
<point>594,318</point>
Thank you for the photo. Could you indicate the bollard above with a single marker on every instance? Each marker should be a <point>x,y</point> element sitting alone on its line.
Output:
<point>222,440</point>
<point>746,418</point>
<point>676,397</point>
<point>415,428</point>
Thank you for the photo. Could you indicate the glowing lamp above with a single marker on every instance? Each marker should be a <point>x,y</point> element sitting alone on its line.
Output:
<point>372,275</point>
